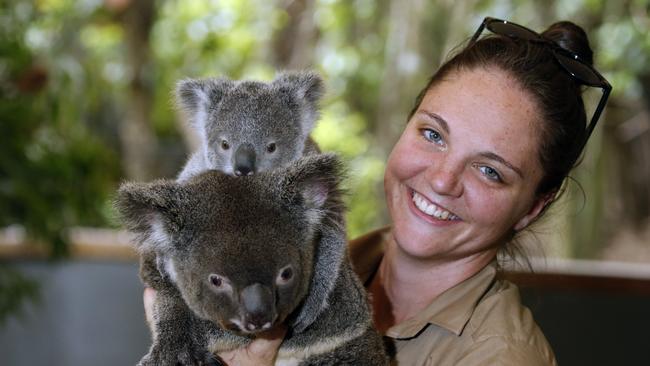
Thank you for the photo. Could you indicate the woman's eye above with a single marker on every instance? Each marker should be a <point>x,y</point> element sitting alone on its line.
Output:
<point>491,173</point>
<point>432,135</point>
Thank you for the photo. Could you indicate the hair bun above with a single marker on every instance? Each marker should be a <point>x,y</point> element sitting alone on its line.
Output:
<point>571,37</point>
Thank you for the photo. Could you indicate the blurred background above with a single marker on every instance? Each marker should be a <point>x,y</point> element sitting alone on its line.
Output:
<point>86,103</point>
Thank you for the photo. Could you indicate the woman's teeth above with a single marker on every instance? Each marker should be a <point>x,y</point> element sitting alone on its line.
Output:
<point>432,210</point>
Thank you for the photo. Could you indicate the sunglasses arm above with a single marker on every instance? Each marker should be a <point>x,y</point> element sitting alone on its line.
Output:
<point>479,31</point>
<point>599,109</point>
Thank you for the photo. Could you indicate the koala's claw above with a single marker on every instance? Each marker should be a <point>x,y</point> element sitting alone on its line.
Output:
<point>211,360</point>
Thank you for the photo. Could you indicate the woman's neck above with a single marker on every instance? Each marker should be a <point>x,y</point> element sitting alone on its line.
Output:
<point>405,285</point>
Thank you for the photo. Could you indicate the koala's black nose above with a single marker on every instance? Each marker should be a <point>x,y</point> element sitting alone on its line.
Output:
<point>259,307</point>
<point>243,171</point>
<point>244,160</point>
<point>255,322</point>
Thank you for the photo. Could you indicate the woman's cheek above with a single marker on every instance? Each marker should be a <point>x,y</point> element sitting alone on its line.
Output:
<point>485,205</point>
<point>503,205</point>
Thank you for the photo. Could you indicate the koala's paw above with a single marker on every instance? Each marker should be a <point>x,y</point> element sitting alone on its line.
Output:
<point>180,358</point>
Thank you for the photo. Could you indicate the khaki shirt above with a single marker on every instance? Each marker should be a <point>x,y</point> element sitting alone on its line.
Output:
<point>480,321</point>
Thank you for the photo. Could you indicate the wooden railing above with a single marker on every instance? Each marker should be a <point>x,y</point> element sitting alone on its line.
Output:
<point>85,243</point>
<point>551,273</point>
<point>584,275</point>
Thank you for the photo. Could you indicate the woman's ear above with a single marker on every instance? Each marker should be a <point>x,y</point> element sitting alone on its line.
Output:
<point>538,207</point>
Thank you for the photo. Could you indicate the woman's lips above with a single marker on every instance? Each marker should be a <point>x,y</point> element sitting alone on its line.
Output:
<point>423,205</point>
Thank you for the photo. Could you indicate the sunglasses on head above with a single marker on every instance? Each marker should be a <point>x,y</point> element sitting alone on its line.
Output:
<point>580,70</point>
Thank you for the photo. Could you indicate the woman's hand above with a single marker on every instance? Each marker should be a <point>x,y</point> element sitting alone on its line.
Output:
<point>148,298</point>
<point>262,351</point>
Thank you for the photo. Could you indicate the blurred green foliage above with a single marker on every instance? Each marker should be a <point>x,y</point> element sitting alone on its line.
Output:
<point>54,171</point>
<point>65,74</point>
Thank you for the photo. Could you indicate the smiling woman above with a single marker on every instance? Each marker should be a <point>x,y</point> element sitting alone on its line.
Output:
<point>485,151</point>
<point>457,185</point>
<point>457,182</point>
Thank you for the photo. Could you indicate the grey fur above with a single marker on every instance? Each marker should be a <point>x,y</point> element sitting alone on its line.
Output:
<point>246,231</point>
<point>250,115</point>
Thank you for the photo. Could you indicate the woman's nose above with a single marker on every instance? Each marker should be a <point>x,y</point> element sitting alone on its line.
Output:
<point>445,178</point>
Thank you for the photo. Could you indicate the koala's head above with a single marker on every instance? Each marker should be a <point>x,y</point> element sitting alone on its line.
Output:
<point>240,250</point>
<point>251,126</point>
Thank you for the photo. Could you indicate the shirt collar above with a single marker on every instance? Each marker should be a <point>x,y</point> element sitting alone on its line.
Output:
<point>451,310</point>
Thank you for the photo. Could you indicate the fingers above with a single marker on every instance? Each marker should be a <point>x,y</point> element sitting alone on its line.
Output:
<point>262,351</point>
<point>148,298</point>
<point>267,343</point>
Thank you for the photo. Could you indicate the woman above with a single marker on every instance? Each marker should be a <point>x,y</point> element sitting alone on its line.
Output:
<point>493,136</point>
<point>486,149</point>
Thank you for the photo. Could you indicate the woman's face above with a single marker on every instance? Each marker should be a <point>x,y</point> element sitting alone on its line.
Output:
<point>464,172</point>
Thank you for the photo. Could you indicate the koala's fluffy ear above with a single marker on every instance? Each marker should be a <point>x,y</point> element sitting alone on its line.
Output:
<point>150,210</point>
<point>195,96</point>
<point>306,88</point>
<point>313,182</point>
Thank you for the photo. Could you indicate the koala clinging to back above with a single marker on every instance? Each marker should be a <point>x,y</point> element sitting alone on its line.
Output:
<point>250,126</point>
<point>240,255</point>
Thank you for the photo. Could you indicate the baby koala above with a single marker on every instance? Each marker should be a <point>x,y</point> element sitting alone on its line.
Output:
<point>250,126</point>
<point>239,257</point>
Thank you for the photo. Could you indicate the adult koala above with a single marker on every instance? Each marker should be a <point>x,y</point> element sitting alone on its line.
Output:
<point>239,257</point>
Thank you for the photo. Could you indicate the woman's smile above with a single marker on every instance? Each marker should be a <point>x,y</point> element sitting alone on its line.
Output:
<point>430,209</point>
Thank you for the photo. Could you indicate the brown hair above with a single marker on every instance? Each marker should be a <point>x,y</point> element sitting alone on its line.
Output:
<point>557,95</point>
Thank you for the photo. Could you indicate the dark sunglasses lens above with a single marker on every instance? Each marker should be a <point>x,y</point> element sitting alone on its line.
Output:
<point>579,70</point>
<point>512,30</point>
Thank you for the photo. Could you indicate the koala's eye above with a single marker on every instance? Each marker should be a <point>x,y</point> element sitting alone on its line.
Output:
<point>285,276</point>
<point>225,145</point>
<point>271,147</point>
<point>219,282</point>
<point>216,281</point>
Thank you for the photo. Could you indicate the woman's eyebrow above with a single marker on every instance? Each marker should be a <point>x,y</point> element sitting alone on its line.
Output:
<point>493,156</point>
<point>441,121</point>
